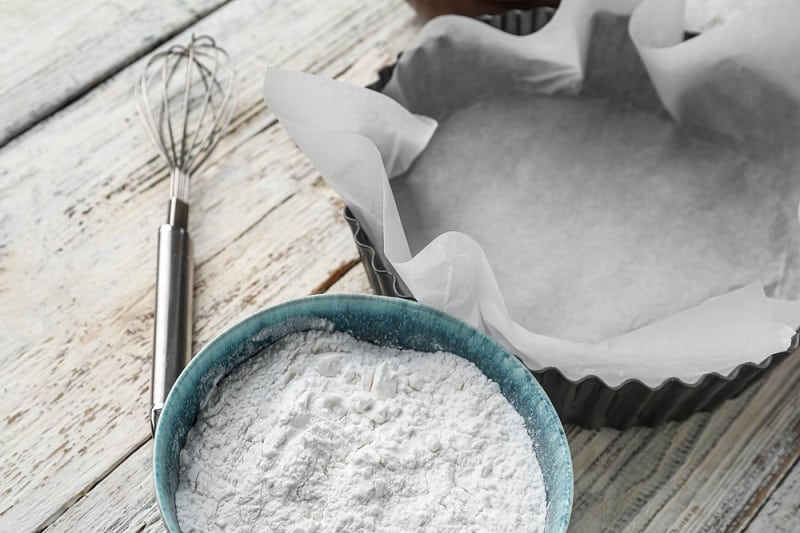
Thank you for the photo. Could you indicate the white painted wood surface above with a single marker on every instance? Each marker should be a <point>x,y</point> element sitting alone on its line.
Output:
<point>52,51</point>
<point>81,196</point>
<point>79,229</point>
<point>125,500</point>
<point>664,479</point>
<point>781,513</point>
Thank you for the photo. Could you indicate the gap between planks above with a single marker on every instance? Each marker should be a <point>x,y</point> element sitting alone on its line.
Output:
<point>347,56</point>
<point>582,442</point>
<point>334,276</point>
<point>781,512</point>
<point>749,516</point>
<point>92,484</point>
<point>20,127</point>
<point>242,119</point>
<point>351,280</point>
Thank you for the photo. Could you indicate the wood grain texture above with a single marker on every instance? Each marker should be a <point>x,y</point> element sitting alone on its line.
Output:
<point>353,282</point>
<point>81,197</point>
<point>125,499</point>
<point>53,51</point>
<point>781,513</point>
<point>78,234</point>
<point>712,472</point>
<point>634,480</point>
<point>629,481</point>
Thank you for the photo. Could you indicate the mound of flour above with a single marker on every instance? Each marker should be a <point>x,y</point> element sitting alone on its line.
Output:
<point>324,433</point>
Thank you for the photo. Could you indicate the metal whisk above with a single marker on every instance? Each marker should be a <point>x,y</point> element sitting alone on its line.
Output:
<point>185,99</point>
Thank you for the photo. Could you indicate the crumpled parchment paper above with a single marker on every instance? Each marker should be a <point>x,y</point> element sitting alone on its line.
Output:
<point>601,196</point>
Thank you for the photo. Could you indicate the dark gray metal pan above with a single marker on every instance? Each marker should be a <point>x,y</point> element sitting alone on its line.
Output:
<point>588,402</point>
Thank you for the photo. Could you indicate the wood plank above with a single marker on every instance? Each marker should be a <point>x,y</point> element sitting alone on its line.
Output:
<point>125,500</point>
<point>266,230</point>
<point>239,281</point>
<point>353,282</point>
<point>623,478</point>
<point>747,460</point>
<point>781,513</point>
<point>54,51</point>
<point>709,473</point>
<point>76,245</point>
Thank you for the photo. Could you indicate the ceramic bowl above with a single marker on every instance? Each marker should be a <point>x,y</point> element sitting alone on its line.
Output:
<point>382,321</point>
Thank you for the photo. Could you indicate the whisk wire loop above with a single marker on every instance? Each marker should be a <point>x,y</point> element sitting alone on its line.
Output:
<point>184,97</point>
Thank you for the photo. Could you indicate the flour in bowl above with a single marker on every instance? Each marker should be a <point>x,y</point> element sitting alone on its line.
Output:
<point>323,433</point>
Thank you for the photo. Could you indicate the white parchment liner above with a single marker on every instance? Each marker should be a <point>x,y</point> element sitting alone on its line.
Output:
<point>358,139</point>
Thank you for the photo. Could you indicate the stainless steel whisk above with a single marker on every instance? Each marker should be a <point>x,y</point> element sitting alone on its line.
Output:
<point>185,99</point>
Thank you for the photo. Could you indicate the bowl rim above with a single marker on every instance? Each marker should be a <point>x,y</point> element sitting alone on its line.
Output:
<point>217,346</point>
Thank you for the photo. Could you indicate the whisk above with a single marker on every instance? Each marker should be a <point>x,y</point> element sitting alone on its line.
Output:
<point>185,99</point>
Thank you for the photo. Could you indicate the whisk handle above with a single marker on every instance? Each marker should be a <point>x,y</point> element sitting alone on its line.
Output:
<point>172,346</point>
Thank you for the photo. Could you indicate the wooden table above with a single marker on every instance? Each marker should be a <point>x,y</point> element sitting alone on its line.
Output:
<point>82,193</point>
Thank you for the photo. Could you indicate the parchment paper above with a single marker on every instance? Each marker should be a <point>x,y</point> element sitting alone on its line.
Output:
<point>600,196</point>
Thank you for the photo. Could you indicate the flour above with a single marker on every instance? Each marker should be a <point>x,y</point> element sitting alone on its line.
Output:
<point>324,433</point>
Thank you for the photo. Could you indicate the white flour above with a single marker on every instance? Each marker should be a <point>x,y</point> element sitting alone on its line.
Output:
<point>324,433</point>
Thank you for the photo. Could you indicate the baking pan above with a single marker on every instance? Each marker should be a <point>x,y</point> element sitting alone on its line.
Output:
<point>588,402</point>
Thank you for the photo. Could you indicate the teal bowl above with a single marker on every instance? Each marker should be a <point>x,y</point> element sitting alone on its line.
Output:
<point>379,320</point>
